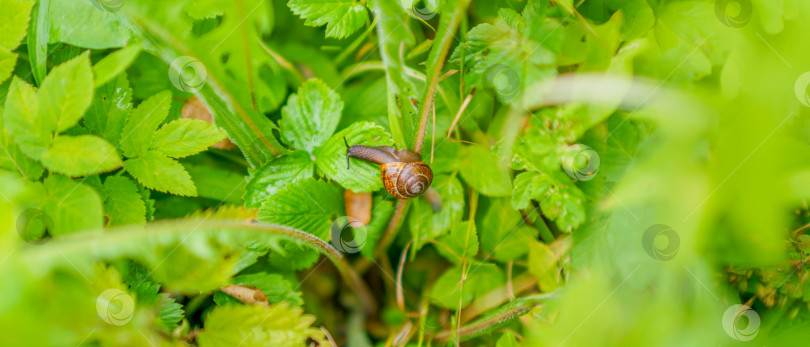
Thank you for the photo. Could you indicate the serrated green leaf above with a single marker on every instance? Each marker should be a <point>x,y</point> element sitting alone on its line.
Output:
<point>142,123</point>
<point>245,325</point>
<point>483,171</point>
<point>310,116</point>
<point>12,158</point>
<point>424,223</point>
<point>460,242</point>
<point>308,204</point>
<point>13,26</point>
<point>72,206</point>
<point>341,17</point>
<point>111,106</point>
<point>13,22</point>
<point>21,117</point>
<point>122,202</point>
<point>7,62</point>
<point>183,137</point>
<point>169,312</point>
<point>113,64</point>
<point>159,172</point>
<point>82,155</point>
<point>529,185</point>
<point>361,176</point>
<point>271,177</point>
<point>500,56</point>
<point>66,92</point>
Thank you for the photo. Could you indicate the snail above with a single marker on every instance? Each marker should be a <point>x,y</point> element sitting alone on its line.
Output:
<point>404,174</point>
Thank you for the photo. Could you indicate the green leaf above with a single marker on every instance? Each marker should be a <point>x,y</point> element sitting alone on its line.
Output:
<point>310,116</point>
<point>507,340</point>
<point>460,242</point>
<point>183,137</point>
<point>224,59</point>
<point>501,57</point>
<point>13,22</point>
<point>21,116</point>
<point>483,171</point>
<point>559,198</point>
<point>170,313</point>
<point>66,92</point>
<point>276,174</point>
<point>249,326</point>
<point>308,204</point>
<point>83,24</point>
<point>159,172</point>
<point>72,206</point>
<point>113,64</point>
<point>424,223</point>
<point>541,266</point>
<point>139,130</point>
<point>217,184</point>
<point>38,37</point>
<point>122,202</point>
<point>400,88</point>
<point>13,26</point>
<point>12,158</point>
<point>361,176</point>
<point>110,108</point>
<point>82,155</point>
<point>7,62</point>
<point>503,232</point>
<point>528,186</point>
<point>479,279</point>
<point>341,17</point>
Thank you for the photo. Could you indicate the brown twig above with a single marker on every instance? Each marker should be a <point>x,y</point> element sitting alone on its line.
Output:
<point>400,296</point>
<point>460,111</point>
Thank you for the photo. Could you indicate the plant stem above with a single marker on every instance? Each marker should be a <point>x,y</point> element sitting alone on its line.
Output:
<point>518,308</point>
<point>99,243</point>
<point>438,53</point>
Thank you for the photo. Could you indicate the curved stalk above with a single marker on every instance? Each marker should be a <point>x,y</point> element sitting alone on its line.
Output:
<point>112,243</point>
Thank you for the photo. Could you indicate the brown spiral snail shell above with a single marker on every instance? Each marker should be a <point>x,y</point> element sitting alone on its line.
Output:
<point>404,174</point>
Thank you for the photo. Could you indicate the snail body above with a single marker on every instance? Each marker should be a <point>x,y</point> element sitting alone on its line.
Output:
<point>403,172</point>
